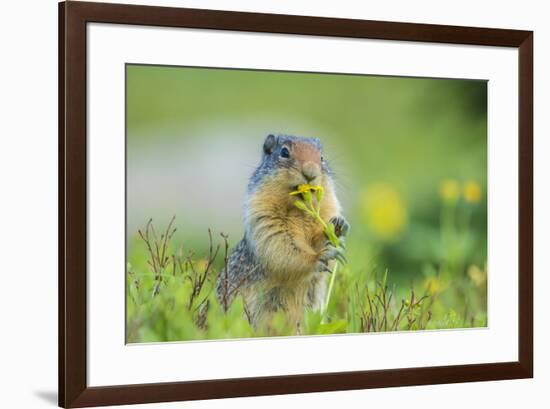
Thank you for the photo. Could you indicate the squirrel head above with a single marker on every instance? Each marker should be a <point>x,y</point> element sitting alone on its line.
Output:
<point>291,161</point>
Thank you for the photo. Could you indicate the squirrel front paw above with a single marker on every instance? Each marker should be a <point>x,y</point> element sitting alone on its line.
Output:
<point>341,226</point>
<point>330,253</point>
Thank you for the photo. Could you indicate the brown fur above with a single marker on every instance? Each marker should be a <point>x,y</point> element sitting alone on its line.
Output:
<point>305,152</point>
<point>288,244</point>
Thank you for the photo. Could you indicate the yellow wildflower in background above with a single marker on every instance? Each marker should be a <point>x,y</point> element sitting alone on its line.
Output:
<point>384,211</point>
<point>433,285</point>
<point>472,192</point>
<point>477,275</point>
<point>449,190</point>
<point>201,264</point>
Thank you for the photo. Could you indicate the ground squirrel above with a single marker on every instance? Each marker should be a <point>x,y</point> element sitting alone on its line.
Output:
<point>284,259</point>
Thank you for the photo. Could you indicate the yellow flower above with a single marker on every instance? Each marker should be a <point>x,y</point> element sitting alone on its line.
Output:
<point>314,210</point>
<point>201,264</point>
<point>472,192</point>
<point>477,275</point>
<point>384,211</point>
<point>449,190</point>
<point>305,188</point>
<point>433,285</point>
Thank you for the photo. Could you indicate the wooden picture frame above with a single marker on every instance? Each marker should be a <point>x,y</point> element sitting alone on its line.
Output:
<point>73,388</point>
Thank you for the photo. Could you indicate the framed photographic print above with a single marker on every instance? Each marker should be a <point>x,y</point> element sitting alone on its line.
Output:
<point>256,204</point>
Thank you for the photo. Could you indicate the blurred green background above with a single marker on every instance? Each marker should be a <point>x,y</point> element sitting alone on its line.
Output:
<point>409,154</point>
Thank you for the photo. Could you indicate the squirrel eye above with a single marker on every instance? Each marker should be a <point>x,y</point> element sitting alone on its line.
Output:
<point>285,153</point>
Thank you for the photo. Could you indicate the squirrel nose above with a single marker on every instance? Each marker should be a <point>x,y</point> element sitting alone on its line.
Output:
<point>310,171</point>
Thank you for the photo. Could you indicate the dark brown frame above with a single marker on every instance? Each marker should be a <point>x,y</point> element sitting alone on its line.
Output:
<point>73,388</point>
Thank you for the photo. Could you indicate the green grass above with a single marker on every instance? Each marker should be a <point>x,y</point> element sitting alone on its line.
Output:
<point>171,291</point>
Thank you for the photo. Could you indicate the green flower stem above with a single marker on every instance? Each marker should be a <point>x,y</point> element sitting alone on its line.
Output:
<point>329,291</point>
<point>315,211</point>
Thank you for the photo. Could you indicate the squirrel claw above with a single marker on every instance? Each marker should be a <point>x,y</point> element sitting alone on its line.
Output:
<point>341,226</point>
<point>322,267</point>
<point>331,252</point>
<point>341,258</point>
<point>342,242</point>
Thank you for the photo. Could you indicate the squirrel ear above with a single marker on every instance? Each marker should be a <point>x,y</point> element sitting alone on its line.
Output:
<point>269,144</point>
